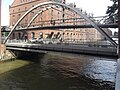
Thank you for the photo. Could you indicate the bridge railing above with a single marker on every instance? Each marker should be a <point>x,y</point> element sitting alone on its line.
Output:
<point>81,43</point>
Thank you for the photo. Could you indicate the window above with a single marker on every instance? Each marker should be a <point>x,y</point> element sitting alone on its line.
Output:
<point>19,35</point>
<point>25,8</point>
<point>13,15</point>
<point>19,14</point>
<point>22,1</point>
<point>41,35</point>
<point>13,36</point>
<point>33,35</point>
<point>13,23</point>
<point>13,11</point>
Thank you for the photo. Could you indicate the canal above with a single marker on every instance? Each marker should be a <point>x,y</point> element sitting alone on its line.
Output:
<point>62,71</point>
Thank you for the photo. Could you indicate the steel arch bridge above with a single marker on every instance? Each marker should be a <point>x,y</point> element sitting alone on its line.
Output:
<point>48,5</point>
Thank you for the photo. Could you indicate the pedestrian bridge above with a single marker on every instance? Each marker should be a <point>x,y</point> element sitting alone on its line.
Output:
<point>61,23</point>
<point>61,7</point>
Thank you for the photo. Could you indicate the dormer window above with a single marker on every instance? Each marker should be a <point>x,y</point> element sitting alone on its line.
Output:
<point>23,1</point>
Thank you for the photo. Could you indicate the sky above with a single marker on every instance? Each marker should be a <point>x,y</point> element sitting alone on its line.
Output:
<point>97,7</point>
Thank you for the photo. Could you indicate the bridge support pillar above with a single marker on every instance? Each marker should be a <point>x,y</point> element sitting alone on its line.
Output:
<point>2,47</point>
<point>3,52</point>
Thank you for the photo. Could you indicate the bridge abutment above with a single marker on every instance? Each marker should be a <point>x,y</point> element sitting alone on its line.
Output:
<point>28,55</point>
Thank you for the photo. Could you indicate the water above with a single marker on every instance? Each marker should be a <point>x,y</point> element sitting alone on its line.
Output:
<point>60,71</point>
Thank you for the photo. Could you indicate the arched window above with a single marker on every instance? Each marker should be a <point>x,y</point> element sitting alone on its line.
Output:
<point>57,35</point>
<point>41,35</point>
<point>33,35</point>
<point>19,35</point>
<point>13,36</point>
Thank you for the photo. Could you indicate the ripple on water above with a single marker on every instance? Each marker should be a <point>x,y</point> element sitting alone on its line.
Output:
<point>63,72</point>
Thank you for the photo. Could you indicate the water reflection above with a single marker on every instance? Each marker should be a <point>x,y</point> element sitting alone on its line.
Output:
<point>60,71</point>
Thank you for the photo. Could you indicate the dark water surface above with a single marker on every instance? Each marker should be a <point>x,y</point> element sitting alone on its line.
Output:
<point>60,71</point>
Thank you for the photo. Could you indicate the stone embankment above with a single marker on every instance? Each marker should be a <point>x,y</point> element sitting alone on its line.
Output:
<point>8,61</point>
<point>6,55</point>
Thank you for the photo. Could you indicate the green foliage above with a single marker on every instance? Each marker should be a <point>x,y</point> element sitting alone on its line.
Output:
<point>112,11</point>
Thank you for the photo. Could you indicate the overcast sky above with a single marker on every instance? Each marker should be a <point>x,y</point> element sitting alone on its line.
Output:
<point>98,7</point>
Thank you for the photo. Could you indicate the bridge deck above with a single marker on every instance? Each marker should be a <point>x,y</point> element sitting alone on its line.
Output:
<point>72,48</point>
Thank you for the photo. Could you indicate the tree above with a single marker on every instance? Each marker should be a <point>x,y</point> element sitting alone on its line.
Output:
<point>112,12</point>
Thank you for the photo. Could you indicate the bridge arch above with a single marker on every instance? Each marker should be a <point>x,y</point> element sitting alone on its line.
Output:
<point>40,12</point>
<point>66,6</point>
<point>37,14</point>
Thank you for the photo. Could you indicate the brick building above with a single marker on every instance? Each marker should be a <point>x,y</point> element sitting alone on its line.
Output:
<point>49,17</point>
